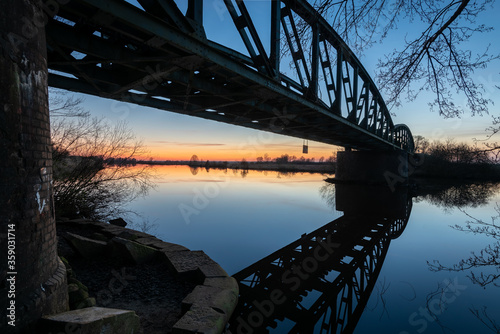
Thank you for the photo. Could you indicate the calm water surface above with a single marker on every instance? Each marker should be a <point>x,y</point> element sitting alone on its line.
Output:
<point>376,278</point>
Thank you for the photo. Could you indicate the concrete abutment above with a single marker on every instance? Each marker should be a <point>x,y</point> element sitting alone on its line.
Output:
<point>373,167</point>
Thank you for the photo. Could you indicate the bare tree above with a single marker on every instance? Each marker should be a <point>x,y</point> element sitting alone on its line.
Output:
<point>434,56</point>
<point>450,159</point>
<point>92,160</point>
<point>64,105</point>
<point>421,144</point>
<point>464,153</point>
<point>492,148</point>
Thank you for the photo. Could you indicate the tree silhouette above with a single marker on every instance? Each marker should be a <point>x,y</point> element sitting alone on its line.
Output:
<point>433,56</point>
<point>91,164</point>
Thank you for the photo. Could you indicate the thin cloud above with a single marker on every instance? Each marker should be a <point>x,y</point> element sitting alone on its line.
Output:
<point>185,144</point>
<point>292,145</point>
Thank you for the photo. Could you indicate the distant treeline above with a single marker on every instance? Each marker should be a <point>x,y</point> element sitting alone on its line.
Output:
<point>284,163</point>
<point>454,160</point>
<point>285,158</point>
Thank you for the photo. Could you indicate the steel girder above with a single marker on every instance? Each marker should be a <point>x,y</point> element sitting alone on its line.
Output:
<point>349,89</point>
<point>403,137</point>
<point>160,58</point>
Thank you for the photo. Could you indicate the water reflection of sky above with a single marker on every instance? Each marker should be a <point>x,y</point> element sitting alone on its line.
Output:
<point>247,217</point>
<point>406,285</point>
<point>243,219</point>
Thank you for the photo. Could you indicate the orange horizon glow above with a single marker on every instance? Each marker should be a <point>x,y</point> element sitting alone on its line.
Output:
<point>231,153</point>
<point>184,154</point>
<point>179,172</point>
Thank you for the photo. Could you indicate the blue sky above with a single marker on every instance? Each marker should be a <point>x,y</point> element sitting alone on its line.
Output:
<point>180,136</point>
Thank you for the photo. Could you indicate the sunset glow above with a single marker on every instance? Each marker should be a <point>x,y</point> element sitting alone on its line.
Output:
<point>228,152</point>
<point>172,136</point>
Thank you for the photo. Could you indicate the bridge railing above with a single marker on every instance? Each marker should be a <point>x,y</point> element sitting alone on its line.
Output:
<point>156,55</point>
<point>323,66</point>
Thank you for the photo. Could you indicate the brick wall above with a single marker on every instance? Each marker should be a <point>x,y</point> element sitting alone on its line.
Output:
<point>25,164</point>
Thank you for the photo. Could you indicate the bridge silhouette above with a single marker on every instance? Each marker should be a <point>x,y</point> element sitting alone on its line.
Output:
<point>321,282</point>
<point>159,57</point>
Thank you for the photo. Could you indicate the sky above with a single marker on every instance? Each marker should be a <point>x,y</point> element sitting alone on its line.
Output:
<point>170,136</point>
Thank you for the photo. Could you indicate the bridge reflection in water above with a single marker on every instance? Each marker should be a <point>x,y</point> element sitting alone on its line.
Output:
<point>321,282</point>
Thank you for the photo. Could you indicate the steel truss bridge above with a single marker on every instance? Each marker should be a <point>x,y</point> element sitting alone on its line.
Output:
<point>319,283</point>
<point>158,56</point>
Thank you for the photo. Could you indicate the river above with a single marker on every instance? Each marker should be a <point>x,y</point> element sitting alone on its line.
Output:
<point>386,263</point>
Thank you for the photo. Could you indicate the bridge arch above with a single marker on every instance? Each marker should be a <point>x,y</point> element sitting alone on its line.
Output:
<point>404,138</point>
<point>159,57</point>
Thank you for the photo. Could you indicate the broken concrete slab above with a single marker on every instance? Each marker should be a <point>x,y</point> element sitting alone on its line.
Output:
<point>132,251</point>
<point>99,236</point>
<point>209,307</point>
<point>92,320</point>
<point>187,263</point>
<point>168,247</point>
<point>160,244</point>
<point>200,320</point>
<point>88,248</point>
<point>223,283</point>
<point>221,300</point>
<point>133,234</point>
<point>127,235</point>
<point>148,241</point>
<point>211,270</point>
<point>113,230</point>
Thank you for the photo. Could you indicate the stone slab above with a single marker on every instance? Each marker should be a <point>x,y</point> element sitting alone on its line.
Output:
<point>170,247</point>
<point>148,241</point>
<point>114,230</point>
<point>160,244</point>
<point>188,262</point>
<point>211,303</point>
<point>200,320</point>
<point>133,251</point>
<point>135,234</point>
<point>88,248</point>
<point>223,283</point>
<point>211,270</point>
<point>221,300</point>
<point>92,320</point>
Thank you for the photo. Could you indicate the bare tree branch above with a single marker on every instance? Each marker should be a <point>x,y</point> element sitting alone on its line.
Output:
<point>434,58</point>
<point>94,165</point>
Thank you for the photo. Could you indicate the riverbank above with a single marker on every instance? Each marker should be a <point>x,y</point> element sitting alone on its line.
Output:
<point>291,167</point>
<point>171,288</point>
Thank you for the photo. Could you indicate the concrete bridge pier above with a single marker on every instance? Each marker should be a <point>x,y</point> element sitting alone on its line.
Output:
<point>373,167</point>
<point>32,278</point>
<point>375,201</point>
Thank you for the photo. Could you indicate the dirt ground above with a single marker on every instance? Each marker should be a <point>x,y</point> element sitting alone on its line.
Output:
<point>151,290</point>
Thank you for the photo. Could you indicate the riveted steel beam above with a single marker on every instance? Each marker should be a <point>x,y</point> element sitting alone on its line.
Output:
<point>120,42</point>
